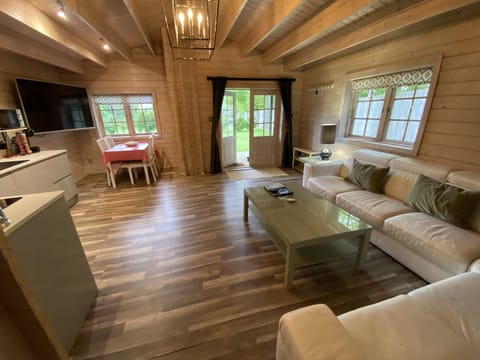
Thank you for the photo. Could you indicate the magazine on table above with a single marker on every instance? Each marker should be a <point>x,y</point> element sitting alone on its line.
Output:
<point>278,189</point>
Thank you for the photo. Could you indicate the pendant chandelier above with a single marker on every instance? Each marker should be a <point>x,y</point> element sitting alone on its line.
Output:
<point>191,27</point>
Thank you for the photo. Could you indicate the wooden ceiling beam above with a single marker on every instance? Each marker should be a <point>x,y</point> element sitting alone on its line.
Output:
<point>226,23</point>
<point>306,33</point>
<point>397,21</point>
<point>91,12</point>
<point>20,44</point>
<point>133,11</point>
<point>271,18</point>
<point>32,18</point>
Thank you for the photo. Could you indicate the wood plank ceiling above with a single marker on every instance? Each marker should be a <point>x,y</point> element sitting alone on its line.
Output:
<point>295,32</point>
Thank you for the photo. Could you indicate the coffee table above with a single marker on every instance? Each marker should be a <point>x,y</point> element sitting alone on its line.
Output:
<point>308,231</point>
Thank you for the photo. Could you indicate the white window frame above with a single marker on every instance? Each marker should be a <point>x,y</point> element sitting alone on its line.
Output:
<point>433,61</point>
<point>129,120</point>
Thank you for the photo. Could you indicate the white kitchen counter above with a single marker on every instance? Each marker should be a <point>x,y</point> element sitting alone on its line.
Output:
<point>27,207</point>
<point>33,158</point>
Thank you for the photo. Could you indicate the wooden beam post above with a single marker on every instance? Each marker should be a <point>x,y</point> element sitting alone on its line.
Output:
<point>307,32</point>
<point>401,19</point>
<point>91,14</point>
<point>133,11</point>
<point>30,17</point>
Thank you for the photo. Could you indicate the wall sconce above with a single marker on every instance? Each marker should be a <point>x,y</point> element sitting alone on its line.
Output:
<point>328,133</point>
<point>191,27</point>
<point>323,86</point>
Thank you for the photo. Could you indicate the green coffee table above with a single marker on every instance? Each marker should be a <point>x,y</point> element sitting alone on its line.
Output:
<point>309,231</point>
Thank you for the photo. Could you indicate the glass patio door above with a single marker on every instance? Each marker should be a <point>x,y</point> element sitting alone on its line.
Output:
<point>229,154</point>
<point>264,124</point>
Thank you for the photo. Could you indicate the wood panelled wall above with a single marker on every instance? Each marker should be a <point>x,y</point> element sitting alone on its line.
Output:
<point>452,134</point>
<point>13,66</point>
<point>184,140</point>
<point>194,96</point>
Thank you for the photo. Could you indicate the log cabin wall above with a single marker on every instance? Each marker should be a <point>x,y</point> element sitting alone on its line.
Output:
<point>452,133</point>
<point>194,96</point>
<point>13,66</point>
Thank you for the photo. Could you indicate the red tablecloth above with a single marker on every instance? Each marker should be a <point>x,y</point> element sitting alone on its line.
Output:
<point>122,152</point>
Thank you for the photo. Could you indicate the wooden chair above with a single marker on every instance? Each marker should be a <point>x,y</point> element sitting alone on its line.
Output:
<point>148,165</point>
<point>110,169</point>
<point>109,141</point>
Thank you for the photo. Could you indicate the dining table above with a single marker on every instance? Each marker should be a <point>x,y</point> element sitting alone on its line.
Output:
<point>137,151</point>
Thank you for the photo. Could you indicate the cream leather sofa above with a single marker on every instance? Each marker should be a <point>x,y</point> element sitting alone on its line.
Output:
<point>440,321</point>
<point>430,247</point>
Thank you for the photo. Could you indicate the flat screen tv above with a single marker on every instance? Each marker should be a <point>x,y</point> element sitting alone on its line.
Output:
<point>54,107</point>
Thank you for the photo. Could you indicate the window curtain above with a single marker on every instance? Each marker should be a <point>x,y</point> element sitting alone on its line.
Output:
<point>218,89</point>
<point>286,92</point>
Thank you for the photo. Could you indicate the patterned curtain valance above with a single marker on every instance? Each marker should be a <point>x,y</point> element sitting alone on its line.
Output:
<point>403,78</point>
<point>118,99</point>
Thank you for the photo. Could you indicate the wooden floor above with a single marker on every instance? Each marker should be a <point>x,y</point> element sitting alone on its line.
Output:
<point>180,275</point>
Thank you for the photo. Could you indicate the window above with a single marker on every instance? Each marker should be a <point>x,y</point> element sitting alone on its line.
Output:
<point>390,108</point>
<point>228,112</point>
<point>132,114</point>
<point>264,115</point>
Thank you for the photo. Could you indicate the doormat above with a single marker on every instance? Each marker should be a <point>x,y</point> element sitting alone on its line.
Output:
<point>246,174</point>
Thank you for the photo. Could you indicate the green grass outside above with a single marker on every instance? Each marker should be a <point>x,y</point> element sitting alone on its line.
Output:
<point>243,139</point>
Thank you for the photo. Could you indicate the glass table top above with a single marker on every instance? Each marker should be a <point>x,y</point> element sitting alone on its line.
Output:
<point>310,217</point>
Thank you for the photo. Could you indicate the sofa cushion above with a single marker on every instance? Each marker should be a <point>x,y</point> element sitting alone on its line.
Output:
<point>373,157</point>
<point>399,329</point>
<point>329,186</point>
<point>370,207</point>
<point>314,332</point>
<point>455,302</point>
<point>417,166</point>
<point>368,176</point>
<point>450,247</point>
<point>467,180</point>
<point>399,184</point>
<point>449,203</point>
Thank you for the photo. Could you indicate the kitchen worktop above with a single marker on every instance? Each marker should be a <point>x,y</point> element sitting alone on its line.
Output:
<point>27,207</point>
<point>31,159</point>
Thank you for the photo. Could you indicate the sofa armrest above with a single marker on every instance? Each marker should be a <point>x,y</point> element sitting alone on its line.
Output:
<point>329,167</point>
<point>315,333</point>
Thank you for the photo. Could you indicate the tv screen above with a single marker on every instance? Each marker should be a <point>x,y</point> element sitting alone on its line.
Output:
<point>54,107</point>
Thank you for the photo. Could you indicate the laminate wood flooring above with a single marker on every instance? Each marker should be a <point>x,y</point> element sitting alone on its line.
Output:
<point>181,276</point>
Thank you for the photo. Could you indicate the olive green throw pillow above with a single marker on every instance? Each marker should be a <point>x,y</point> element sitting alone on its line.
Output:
<point>446,202</point>
<point>368,176</point>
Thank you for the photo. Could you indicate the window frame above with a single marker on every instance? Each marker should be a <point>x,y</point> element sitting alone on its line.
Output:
<point>348,106</point>
<point>129,117</point>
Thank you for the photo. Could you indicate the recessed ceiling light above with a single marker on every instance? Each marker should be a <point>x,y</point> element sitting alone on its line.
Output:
<point>105,45</point>
<point>61,10</point>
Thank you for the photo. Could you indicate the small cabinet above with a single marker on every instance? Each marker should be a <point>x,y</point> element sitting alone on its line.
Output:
<point>298,153</point>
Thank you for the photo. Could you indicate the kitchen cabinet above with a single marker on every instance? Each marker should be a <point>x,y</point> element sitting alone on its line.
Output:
<point>51,287</point>
<point>7,186</point>
<point>45,171</point>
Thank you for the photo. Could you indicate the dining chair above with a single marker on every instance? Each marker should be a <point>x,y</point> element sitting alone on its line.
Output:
<point>109,141</point>
<point>110,168</point>
<point>147,165</point>
<point>152,155</point>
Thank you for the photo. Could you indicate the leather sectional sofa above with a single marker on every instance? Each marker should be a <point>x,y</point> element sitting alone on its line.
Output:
<point>429,246</point>
<point>440,321</point>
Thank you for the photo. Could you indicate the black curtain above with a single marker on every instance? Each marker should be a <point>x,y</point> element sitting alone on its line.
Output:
<point>218,88</point>
<point>286,92</point>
